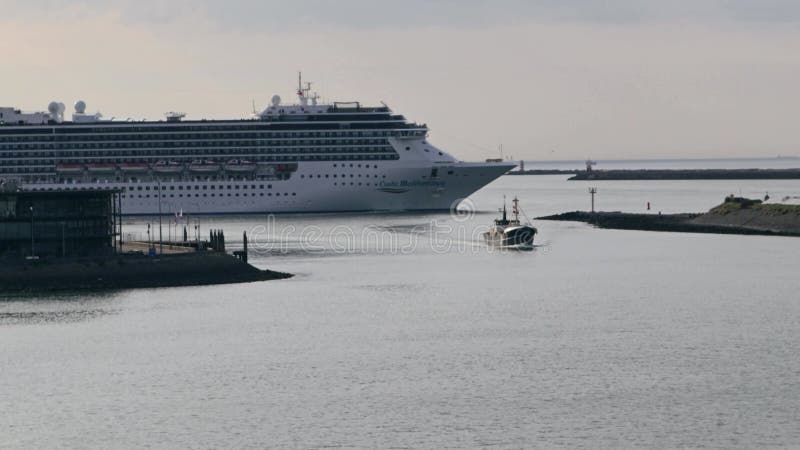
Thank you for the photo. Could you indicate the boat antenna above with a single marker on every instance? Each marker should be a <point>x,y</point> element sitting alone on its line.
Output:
<point>300,83</point>
<point>254,106</point>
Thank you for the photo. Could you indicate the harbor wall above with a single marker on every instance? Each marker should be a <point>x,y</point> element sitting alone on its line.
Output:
<point>130,271</point>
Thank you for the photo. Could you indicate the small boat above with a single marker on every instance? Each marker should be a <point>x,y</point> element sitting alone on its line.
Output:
<point>510,233</point>
<point>204,166</point>
<point>167,167</point>
<point>101,168</point>
<point>240,165</point>
<point>134,167</point>
<point>69,168</point>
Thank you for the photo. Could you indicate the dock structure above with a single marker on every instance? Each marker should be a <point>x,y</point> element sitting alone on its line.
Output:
<point>38,224</point>
<point>68,240</point>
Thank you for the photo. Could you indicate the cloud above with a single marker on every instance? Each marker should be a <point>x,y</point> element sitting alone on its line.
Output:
<point>293,16</point>
<point>624,79</point>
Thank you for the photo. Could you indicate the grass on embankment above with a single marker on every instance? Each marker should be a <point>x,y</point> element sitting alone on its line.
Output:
<point>770,209</point>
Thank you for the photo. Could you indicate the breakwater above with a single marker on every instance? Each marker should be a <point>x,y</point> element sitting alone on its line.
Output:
<point>128,271</point>
<point>734,216</point>
<point>689,174</point>
<point>669,174</point>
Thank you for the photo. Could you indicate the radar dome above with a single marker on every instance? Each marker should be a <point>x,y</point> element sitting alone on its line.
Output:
<point>276,100</point>
<point>53,108</point>
<point>80,107</point>
<point>61,108</point>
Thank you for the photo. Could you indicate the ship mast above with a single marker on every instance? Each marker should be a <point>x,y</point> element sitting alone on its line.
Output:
<point>515,209</point>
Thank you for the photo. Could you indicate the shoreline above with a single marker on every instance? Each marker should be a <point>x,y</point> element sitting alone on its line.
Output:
<point>130,271</point>
<point>734,216</point>
<point>669,174</point>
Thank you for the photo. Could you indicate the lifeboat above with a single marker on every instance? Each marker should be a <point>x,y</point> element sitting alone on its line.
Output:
<point>167,167</point>
<point>204,166</point>
<point>101,168</point>
<point>134,167</point>
<point>69,168</point>
<point>240,165</point>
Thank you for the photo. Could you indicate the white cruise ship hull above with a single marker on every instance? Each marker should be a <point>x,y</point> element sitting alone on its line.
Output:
<point>301,158</point>
<point>311,189</point>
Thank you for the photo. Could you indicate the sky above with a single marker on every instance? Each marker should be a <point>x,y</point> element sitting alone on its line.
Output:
<point>547,79</point>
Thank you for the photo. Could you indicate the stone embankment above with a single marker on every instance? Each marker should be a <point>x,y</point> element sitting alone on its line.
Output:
<point>734,216</point>
<point>128,271</point>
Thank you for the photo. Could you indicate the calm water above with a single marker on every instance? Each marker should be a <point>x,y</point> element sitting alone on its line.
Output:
<point>405,331</point>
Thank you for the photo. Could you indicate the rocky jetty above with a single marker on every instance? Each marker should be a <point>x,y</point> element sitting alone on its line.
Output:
<point>734,216</point>
<point>701,174</point>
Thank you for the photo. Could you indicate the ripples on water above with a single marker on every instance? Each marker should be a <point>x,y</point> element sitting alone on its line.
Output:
<point>595,339</point>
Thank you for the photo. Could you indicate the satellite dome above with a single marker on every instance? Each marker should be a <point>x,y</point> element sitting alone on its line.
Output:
<point>276,100</point>
<point>53,107</point>
<point>80,107</point>
<point>61,108</point>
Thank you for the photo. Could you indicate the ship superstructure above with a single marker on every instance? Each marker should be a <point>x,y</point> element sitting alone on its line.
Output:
<point>304,157</point>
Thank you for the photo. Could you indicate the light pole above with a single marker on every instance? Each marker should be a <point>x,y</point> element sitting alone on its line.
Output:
<point>33,252</point>
<point>160,240</point>
<point>592,191</point>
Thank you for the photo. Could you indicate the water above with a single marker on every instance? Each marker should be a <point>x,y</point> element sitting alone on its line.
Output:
<point>406,331</point>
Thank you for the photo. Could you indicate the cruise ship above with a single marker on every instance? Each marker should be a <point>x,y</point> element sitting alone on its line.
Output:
<point>303,157</point>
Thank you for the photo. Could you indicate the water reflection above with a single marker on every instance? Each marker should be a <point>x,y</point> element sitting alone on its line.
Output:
<point>29,309</point>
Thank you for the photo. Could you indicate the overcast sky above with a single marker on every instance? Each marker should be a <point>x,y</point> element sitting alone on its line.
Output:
<point>549,79</point>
